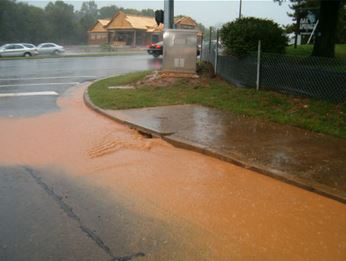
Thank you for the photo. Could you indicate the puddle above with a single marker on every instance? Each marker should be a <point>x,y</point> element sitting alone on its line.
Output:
<point>312,157</point>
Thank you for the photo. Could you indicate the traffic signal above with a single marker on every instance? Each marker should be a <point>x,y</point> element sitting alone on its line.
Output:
<point>159,17</point>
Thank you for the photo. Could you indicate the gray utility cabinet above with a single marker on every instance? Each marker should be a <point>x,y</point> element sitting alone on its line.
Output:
<point>179,50</point>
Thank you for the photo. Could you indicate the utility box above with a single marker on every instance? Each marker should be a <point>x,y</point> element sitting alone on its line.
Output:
<point>179,51</point>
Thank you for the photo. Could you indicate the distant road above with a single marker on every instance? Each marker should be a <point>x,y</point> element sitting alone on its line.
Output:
<point>31,87</point>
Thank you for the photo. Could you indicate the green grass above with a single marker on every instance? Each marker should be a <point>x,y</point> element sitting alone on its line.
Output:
<point>306,50</point>
<point>319,116</point>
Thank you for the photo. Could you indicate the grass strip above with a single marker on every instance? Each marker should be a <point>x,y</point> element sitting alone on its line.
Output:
<point>319,116</point>
<point>306,50</point>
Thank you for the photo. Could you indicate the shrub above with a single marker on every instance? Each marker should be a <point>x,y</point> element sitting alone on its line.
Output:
<point>241,36</point>
<point>105,47</point>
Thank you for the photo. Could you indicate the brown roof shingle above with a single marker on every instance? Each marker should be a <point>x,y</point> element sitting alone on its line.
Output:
<point>99,26</point>
<point>124,21</point>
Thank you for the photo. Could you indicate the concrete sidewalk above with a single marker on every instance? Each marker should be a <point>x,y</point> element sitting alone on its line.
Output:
<point>310,160</point>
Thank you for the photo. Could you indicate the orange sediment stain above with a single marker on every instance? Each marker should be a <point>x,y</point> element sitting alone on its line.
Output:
<point>112,145</point>
<point>236,213</point>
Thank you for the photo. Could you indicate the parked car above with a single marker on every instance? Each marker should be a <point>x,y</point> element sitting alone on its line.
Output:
<point>50,48</point>
<point>32,47</point>
<point>16,49</point>
<point>29,45</point>
<point>156,49</point>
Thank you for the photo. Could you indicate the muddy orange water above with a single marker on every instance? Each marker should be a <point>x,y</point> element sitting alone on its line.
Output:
<point>240,215</point>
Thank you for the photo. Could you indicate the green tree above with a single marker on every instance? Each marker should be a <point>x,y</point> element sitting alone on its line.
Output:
<point>28,25</point>
<point>300,9</point>
<point>7,29</point>
<point>57,22</point>
<point>130,11</point>
<point>61,21</point>
<point>107,11</point>
<point>86,18</point>
<point>241,36</point>
<point>326,31</point>
<point>148,12</point>
<point>325,38</point>
<point>32,24</point>
<point>341,35</point>
<point>89,8</point>
<point>144,12</point>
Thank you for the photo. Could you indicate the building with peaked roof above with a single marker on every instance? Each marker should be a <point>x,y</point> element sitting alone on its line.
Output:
<point>185,22</point>
<point>98,33</point>
<point>132,30</point>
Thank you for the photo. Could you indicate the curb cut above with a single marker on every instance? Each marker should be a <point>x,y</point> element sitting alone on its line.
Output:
<point>183,144</point>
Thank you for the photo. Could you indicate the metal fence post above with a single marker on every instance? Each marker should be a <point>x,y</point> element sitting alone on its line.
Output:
<point>216,51</point>
<point>202,47</point>
<point>258,78</point>
<point>209,43</point>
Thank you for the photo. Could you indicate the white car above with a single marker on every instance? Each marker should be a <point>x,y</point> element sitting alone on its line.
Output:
<point>29,45</point>
<point>32,47</point>
<point>16,49</point>
<point>50,48</point>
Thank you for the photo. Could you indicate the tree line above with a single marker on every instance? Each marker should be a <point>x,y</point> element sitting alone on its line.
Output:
<point>58,22</point>
<point>300,9</point>
<point>332,23</point>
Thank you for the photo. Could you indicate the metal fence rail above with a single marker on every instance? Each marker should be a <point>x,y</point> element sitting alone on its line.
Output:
<point>317,77</point>
<point>241,72</point>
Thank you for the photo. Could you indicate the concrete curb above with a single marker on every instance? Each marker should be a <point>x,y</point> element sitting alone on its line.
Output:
<point>184,144</point>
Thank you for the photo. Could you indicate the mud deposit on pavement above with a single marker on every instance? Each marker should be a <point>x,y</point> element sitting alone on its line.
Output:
<point>211,209</point>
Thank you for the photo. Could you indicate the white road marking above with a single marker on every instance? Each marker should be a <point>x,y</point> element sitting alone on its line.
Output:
<point>45,78</point>
<point>28,94</point>
<point>39,84</point>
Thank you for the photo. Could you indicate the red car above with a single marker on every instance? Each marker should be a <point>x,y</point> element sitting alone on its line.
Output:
<point>155,49</point>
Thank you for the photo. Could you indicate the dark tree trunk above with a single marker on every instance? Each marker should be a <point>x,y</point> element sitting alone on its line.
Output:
<point>326,29</point>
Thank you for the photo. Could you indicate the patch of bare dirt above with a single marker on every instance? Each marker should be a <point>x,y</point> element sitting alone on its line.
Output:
<point>205,72</point>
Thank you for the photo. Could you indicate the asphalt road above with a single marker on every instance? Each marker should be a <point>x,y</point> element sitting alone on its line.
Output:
<point>31,219</point>
<point>35,222</point>
<point>47,215</point>
<point>31,87</point>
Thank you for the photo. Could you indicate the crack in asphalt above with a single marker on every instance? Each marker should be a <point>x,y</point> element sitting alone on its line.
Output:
<point>128,258</point>
<point>70,213</point>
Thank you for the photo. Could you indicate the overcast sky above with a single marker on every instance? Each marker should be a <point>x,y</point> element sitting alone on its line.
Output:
<point>210,13</point>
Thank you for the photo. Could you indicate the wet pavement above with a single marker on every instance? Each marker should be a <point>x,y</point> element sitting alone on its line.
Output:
<point>75,182</point>
<point>311,160</point>
<point>31,222</point>
<point>40,82</point>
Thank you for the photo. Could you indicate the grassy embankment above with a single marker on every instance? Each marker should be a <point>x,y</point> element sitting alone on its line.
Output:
<point>319,116</point>
<point>306,50</point>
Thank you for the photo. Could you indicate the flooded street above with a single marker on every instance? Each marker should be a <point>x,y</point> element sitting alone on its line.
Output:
<point>144,199</point>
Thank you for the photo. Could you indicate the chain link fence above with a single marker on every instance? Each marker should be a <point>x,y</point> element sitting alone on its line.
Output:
<point>317,77</point>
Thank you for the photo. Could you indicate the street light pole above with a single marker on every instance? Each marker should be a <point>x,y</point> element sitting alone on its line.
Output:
<point>240,4</point>
<point>169,14</point>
